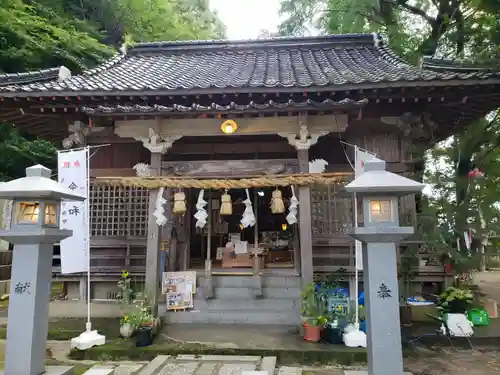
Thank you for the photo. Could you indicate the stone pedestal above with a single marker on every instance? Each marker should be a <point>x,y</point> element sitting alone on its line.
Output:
<point>29,309</point>
<point>382,304</point>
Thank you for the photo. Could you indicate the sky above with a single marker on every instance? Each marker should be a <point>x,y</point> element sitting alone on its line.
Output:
<point>245,18</point>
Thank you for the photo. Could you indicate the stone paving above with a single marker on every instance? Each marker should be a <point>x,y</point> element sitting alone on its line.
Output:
<point>200,365</point>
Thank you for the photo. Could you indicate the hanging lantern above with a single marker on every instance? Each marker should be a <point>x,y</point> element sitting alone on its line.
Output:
<point>277,205</point>
<point>179,203</point>
<point>229,127</point>
<point>226,207</point>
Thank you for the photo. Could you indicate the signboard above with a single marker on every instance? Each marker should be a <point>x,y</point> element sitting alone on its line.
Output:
<point>179,288</point>
<point>179,301</point>
<point>73,174</point>
<point>338,305</point>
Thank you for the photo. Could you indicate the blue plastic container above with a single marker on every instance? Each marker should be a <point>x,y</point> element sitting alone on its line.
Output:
<point>362,326</point>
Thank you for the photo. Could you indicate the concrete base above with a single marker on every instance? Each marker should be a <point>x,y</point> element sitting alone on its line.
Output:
<point>355,339</point>
<point>87,340</point>
<point>255,373</point>
<point>363,372</point>
<point>54,370</point>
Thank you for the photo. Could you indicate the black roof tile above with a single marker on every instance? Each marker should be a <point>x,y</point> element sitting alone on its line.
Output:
<point>345,104</point>
<point>194,66</point>
<point>37,76</point>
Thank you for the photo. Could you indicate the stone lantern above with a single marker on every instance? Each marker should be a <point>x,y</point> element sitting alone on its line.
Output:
<point>379,191</point>
<point>34,229</point>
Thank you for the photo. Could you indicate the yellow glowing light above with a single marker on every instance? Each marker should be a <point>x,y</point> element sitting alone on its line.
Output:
<point>241,226</point>
<point>49,217</point>
<point>284,226</point>
<point>375,206</point>
<point>229,127</point>
<point>27,212</point>
<point>380,210</point>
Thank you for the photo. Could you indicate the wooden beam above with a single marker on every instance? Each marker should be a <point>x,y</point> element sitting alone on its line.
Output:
<point>112,172</point>
<point>230,148</point>
<point>230,168</point>
<point>190,127</point>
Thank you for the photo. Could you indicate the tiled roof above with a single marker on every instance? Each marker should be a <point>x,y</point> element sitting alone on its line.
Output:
<point>37,76</point>
<point>448,65</point>
<point>335,61</point>
<point>346,104</point>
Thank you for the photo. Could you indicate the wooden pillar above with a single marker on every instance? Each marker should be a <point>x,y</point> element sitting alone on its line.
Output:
<point>302,140</point>
<point>166,231</point>
<point>153,255</point>
<point>305,228</point>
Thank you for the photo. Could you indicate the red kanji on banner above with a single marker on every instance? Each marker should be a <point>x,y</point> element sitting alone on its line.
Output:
<point>362,163</point>
<point>76,164</point>
<point>66,164</point>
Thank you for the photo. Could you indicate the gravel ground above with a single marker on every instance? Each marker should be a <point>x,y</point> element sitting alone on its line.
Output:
<point>437,361</point>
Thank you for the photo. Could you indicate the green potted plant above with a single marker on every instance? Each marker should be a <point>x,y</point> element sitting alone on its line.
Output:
<point>127,327</point>
<point>333,329</point>
<point>144,322</point>
<point>312,313</point>
<point>125,296</point>
<point>455,300</point>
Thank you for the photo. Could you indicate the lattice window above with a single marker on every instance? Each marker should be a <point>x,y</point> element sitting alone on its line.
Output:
<point>331,210</point>
<point>118,211</point>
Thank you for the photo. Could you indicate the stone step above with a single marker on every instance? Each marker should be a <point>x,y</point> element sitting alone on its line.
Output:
<point>246,281</point>
<point>153,367</point>
<point>128,369</point>
<point>57,370</point>
<point>247,293</point>
<point>288,370</point>
<point>285,317</point>
<point>100,370</point>
<point>268,364</point>
<point>266,304</point>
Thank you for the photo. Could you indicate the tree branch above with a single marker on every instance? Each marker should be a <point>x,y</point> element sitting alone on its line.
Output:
<point>412,9</point>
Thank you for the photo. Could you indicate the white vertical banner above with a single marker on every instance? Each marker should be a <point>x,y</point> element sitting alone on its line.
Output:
<point>360,158</point>
<point>73,173</point>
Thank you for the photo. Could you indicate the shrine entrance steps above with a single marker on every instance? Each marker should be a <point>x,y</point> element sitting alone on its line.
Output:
<point>234,303</point>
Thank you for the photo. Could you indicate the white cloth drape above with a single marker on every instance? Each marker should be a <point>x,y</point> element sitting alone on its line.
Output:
<point>248,219</point>
<point>291,218</point>
<point>201,214</point>
<point>161,219</point>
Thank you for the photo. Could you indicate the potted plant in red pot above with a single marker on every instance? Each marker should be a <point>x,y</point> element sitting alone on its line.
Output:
<point>312,310</point>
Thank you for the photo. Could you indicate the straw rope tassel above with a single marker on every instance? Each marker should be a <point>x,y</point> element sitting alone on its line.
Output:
<point>179,203</point>
<point>226,207</point>
<point>277,205</point>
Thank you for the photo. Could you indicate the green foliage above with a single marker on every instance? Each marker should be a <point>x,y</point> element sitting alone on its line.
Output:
<point>415,28</point>
<point>453,296</point>
<point>313,306</point>
<point>126,293</point>
<point>18,153</point>
<point>459,202</point>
